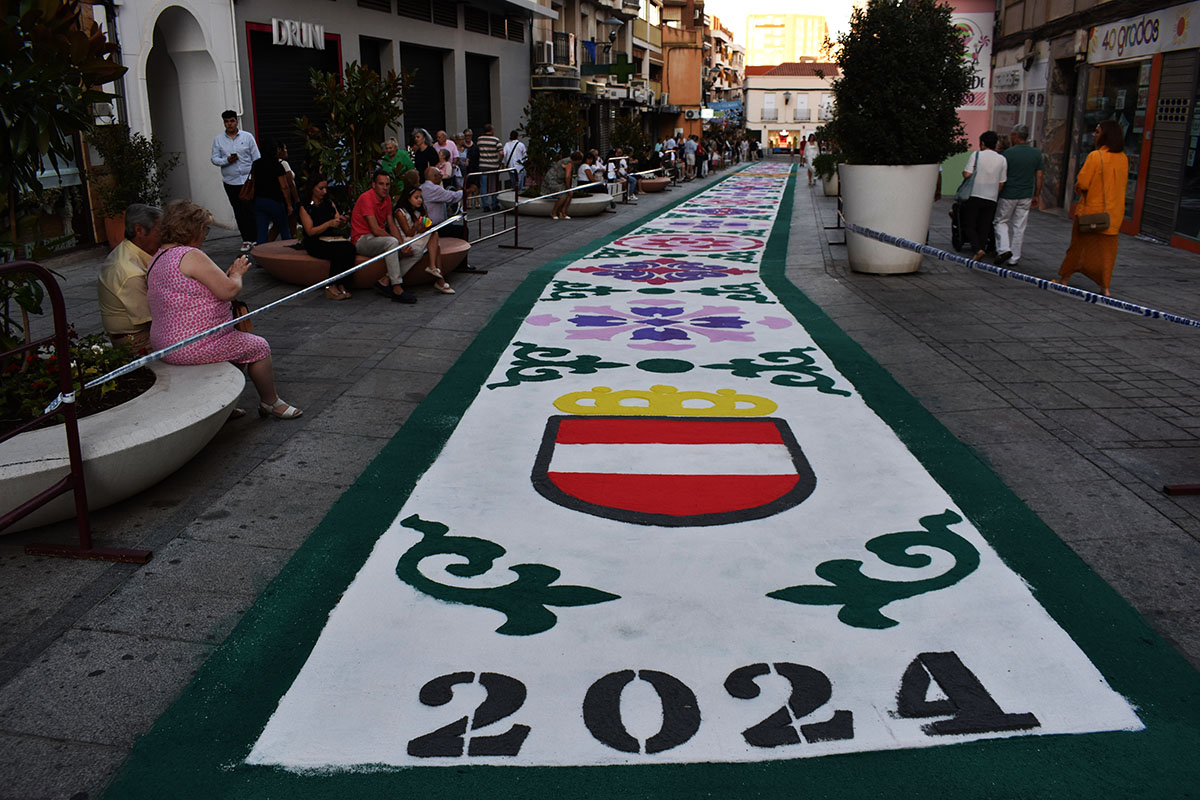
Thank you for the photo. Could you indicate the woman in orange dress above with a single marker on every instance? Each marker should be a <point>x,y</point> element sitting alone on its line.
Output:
<point>1102,182</point>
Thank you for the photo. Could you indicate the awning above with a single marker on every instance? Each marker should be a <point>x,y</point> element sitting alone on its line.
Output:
<point>534,8</point>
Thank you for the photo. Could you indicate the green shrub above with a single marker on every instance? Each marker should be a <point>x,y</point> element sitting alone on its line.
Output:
<point>903,77</point>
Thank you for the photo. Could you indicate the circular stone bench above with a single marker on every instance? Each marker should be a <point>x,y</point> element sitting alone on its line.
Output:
<point>588,206</point>
<point>126,449</point>
<point>293,265</point>
<point>653,184</point>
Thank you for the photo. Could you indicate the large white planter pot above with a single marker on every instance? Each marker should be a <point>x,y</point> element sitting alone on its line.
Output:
<point>590,206</point>
<point>890,199</point>
<point>125,449</point>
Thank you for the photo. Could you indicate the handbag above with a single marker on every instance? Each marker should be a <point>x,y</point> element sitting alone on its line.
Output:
<point>246,194</point>
<point>240,309</point>
<point>1091,223</point>
<point>968,185</point>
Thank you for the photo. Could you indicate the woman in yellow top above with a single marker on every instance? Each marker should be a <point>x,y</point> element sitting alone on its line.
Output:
<point>1102,183</point>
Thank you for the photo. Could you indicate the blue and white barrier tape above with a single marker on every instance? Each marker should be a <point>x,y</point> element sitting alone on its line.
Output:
<point>1041,283</point>
<point>138,363</point>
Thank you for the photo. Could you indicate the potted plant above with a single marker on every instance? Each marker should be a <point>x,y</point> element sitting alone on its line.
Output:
<point>826,167</point>
<point>135,171</point>
<point>554,126</point>
<point>895,134</point>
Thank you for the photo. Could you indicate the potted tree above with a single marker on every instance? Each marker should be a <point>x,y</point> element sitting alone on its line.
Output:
<point>554,126</point>
<point>895,134</point>
<point>135,171</point>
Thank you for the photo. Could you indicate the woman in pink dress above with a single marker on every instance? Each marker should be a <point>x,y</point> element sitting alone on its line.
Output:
<point>188,293</point>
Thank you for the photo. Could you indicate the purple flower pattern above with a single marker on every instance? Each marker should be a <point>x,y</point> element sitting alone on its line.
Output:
<point>664,325</point>
<point>657,271</point>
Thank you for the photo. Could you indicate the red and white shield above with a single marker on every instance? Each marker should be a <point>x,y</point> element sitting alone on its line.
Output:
<point>671,470</point>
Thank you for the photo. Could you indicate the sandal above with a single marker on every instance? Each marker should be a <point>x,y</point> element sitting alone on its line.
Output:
<point>279,409</point>
<point>444,287</point>
<point>334,294</point>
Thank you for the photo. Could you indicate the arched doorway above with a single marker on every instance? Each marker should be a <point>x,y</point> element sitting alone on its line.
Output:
<point>183,93</point>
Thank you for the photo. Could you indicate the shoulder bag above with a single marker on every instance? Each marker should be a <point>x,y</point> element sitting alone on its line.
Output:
<point>246,193</point>
<point>1092,223</point>
<point>968,185</point>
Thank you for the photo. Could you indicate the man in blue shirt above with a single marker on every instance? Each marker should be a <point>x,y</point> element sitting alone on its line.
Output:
<point>1021,192</point>
<point>235,151</point>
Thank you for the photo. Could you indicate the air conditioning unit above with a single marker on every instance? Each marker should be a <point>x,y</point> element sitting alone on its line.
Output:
<point>639,95</point>
<point>691,113</point>
<point>618,93</point>
<point>597,89</point>
<point>545,53</point>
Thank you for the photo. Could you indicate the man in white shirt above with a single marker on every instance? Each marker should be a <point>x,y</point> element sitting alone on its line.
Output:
<point>991,171</point>
<point>235,151</point>
<point>514,156</point>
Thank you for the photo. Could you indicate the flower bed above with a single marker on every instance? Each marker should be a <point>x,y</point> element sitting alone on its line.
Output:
<point>31,380</point>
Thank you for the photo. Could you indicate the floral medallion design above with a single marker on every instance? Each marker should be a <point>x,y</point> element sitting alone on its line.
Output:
<point>695,242</point>
<point>662,325</point>
<point>658,271</point>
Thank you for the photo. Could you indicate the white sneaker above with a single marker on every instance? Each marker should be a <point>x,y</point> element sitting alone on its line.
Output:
<point>247,247</point>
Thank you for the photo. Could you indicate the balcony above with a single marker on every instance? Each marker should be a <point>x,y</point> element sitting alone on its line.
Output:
<point>770,115</point>
<point>801,115</point>
<point>650,34</point>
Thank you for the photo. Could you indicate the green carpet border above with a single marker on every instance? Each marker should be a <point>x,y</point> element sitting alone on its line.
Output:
<point>196,747</point>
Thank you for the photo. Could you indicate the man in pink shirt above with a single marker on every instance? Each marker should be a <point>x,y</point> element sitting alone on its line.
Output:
<point>373,231</point>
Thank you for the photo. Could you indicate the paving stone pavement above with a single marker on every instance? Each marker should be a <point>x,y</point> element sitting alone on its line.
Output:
<point>1084,412</point>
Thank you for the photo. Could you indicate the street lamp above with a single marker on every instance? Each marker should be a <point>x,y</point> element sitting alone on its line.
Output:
<point>787,96</point>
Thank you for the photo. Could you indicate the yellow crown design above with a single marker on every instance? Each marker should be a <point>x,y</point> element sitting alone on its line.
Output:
<point>665,401</point>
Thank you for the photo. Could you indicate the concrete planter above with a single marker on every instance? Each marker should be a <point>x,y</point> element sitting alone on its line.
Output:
<point>125,449</point>
<point>890,199</point>
<point>590,206</point>
<point>830,187</point>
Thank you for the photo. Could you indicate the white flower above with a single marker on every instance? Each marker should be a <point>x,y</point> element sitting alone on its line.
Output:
<point>97,348</point>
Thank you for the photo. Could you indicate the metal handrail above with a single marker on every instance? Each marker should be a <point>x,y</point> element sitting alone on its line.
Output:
<point>73,481</point>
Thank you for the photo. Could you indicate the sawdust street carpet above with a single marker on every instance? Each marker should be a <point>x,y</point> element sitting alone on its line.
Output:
<point>664,531</point>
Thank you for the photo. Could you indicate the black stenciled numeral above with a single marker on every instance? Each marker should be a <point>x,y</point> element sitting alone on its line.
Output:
<point>602,711</point>
<point>970,708</point>
<point>811,689</point>
<point>504,696</point>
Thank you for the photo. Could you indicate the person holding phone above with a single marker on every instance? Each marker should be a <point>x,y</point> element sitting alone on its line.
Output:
<point>322,224</point>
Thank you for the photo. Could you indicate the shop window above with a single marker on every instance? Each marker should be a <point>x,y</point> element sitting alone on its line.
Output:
<point>1119,93</point>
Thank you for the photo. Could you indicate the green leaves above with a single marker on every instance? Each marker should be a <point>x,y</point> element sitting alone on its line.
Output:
<point>358,107</point>
<point>50,62</point>
<point>135,168</point>
<point>903,77</point>
<point>554,126</point>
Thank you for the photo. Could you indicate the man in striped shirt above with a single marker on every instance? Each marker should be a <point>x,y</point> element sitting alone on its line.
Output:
<point>490,152</point>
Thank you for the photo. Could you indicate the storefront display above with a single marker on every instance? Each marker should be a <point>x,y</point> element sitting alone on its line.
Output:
<point>1118,92</point>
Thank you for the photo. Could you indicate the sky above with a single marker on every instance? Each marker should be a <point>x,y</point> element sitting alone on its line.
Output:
<point>733,12</point>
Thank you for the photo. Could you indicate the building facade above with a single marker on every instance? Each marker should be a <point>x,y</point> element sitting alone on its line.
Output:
<point>787,102</point>
<point>189,60</point>
<point>1063,66</point>
<point>780,38</point>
